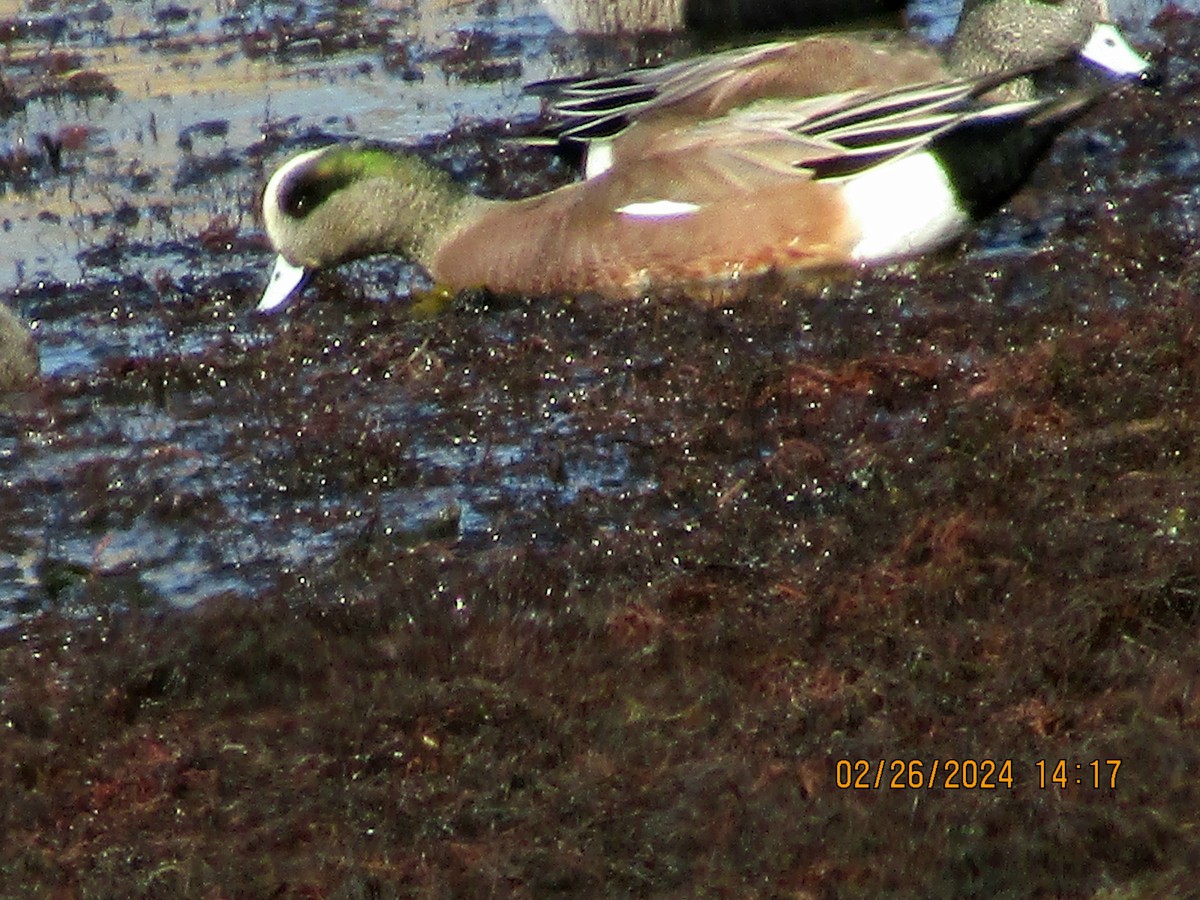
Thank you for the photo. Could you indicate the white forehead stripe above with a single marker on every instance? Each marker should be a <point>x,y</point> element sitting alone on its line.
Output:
<point>1108,49</point>
<point>658,209</point>
<point>271,201</point>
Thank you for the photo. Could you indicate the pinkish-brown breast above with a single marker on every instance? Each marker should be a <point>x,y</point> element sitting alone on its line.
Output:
<point>574,240</point>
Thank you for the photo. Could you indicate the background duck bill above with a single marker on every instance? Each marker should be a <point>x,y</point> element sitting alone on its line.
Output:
<point>1107,49</point>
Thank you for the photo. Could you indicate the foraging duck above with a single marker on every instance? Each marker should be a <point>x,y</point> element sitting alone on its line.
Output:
<point>992,36</point>
<point>854,177</point>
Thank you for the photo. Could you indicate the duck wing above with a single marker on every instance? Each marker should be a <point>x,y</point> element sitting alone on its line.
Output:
<point>599,108</point>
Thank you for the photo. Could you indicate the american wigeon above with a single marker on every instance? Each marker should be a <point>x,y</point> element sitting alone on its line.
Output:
<point>18,356</point>
<point>992,36</point>
<point>722,17</point>
<point>861,176</point>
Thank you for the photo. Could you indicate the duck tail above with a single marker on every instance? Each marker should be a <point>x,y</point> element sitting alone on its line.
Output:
<point>989,155</point>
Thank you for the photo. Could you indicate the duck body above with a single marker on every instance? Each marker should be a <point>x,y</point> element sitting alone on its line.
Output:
<point>738,212</point>
<point>859,177</point>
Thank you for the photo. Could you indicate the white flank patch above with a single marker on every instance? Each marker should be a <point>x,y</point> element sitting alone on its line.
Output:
<point>658,209</point>
<point>272,214</point>
<point>1107,48</point>
<point>902,207</point>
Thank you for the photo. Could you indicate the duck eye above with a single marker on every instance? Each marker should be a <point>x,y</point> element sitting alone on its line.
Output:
<point>295,198</point>
<point>304,192</point>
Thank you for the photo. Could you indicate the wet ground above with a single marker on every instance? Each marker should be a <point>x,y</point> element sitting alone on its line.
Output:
<point>566,596</point>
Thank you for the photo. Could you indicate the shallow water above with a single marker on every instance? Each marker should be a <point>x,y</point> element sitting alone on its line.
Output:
<point>196,88</point>
<point>181,448</point>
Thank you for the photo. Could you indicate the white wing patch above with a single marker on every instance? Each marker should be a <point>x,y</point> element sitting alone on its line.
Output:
<point>599,158</point>
<point>658,209</point>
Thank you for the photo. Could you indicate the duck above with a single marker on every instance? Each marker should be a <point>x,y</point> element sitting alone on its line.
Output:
<point>606,115</point>
<point>722,17</point>
<point>856,177</point>
<point>18,355</point>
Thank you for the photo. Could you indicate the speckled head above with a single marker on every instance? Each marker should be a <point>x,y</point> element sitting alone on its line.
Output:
<point>303,183</point>
<point>347,201</point>
<point>994,35</point>
<point>317,188</point>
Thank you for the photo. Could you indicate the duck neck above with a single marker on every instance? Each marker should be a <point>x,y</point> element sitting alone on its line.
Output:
<point>413,211</point>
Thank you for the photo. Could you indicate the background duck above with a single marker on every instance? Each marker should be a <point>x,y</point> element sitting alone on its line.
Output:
<point>992,36</point>
<point>722,17</point>
<point>850,178</point>
<point>18,355</point>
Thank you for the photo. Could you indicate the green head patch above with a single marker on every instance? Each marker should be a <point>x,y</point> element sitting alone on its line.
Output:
<point>338,168</point>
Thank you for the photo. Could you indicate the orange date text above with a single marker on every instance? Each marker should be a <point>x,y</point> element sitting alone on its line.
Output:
<point>919,774</point>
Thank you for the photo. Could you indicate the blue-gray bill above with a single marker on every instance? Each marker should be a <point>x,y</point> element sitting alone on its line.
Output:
<point>1108,49</point>
<point>285,282</point>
